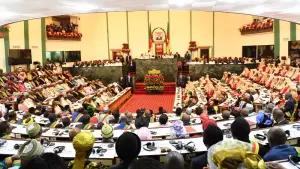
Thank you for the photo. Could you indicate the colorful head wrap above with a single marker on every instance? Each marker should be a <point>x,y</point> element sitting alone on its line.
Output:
<point>33,130</point>
<point>82,143</point>
<point>30,149</point>
<point>28,121</point>
<point>107,131</point>
<point>178,130</point>
<point>234,154</point>
<point>204,117</point>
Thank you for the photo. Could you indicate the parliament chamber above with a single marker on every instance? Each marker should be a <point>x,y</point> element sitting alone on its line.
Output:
<point>88,85</point>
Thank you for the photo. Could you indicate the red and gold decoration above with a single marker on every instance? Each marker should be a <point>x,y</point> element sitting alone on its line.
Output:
<point>161,40</point>
<point>125,48</point>
<point>193,46</point>
<point>154,81</point>
<point>257,26</point>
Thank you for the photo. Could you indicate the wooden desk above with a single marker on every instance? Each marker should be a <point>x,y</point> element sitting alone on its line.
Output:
<point>120,101</point>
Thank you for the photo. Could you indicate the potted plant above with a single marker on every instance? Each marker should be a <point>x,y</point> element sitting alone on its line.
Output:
<point>125,48</point>
<point>3,29</point>
<point>193,46</point>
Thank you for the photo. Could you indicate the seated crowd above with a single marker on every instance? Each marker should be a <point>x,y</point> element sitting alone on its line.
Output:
<point>61,109</point>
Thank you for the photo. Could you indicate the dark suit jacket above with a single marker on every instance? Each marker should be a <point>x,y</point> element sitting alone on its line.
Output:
<point>128,59</point>
<point>132,67</point>
<point>182,82</point>
<point>121,165</point>
<point>128,82</point>
<point>176,56</point>
<point>187,57</point>
<point>122,59</point>
<point>122,82</point>
<point>199,162</point>
<point>289,106</point>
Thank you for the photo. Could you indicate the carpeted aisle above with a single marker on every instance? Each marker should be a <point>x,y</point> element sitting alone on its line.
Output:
<point>149,102</point>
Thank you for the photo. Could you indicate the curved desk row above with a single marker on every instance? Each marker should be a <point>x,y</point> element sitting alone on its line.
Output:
<point>69,152</point>
<point>20,130</point>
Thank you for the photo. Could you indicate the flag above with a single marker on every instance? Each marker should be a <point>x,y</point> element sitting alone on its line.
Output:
<point>150,37</point>
<point>168,42</point>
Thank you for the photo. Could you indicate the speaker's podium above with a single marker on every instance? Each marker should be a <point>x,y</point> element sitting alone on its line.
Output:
<point>167,67</point>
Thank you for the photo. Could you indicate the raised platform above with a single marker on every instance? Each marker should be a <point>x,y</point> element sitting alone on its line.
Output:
<point>153,102</point>
<point>169,88</point>
<point>216,70</point>
<point>107,74</point>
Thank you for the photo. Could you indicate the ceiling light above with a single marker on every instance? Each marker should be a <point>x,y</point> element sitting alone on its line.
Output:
<point>180,2</point>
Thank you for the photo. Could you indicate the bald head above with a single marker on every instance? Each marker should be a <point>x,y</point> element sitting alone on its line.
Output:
<point>129,117</point>
<point>288,95</point>
<point>186,117</point>
<point>74,132</point>
<point>147,113</point>
<point>174,160</point>
<point>278,115</point>
<point>276,136</point>
<point>246,96</point>
<point>244,112</point>
<point>123,119</point>
<point>226,114</point>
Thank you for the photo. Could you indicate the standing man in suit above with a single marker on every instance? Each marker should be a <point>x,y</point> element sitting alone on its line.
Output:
<point>187,56</point>
<point>122,82</point>
<point>129,81</point>
<point>177,56</point>
<point>181,81</point>
<point>289,106</point>
<point>128,59</point>
<point>122,59</point>
<point>131,66</point>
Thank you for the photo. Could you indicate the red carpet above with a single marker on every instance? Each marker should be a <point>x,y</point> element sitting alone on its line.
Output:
<point>149,102</point>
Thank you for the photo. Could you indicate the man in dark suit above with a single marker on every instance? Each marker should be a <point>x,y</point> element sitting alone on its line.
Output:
<point>122,59</point>
<point>177,56</point>
<point>211,135</point>
<point>128,81</point>
<point>181,81</point>
<point>128,59</point>
<point>289,106</point>
<point>131,66</point>
<point>187,56</point>
<point>277,61</point>
<point>122,82</point>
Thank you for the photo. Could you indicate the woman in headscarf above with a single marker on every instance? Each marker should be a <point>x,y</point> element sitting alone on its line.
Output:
<point>177,130</point>
<point>234,154</point>
<point>83,144</point>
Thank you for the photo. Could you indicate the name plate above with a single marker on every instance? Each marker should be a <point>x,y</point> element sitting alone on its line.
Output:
<point>52,138</point>
<point>18,136</point>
